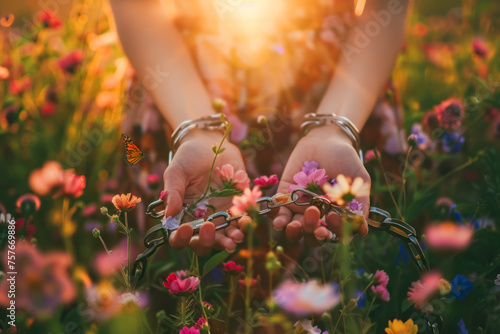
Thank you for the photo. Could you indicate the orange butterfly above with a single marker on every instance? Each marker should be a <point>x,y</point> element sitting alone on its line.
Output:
<point>132,153</point>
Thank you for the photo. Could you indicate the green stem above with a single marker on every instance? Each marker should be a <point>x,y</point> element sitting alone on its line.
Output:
<point>129,269</point>
<point>249,276</point>
<point>338,320</point>
<point>387,184</point>
<point>213,165</point>
<point>368,313</point>
<point>231,298</point>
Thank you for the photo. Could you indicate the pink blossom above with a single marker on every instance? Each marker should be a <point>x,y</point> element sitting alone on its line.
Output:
<point>247,201</point>
<point>370,155</point>
<point>381,292</point>
<point>381,277</point>
<point>448,236</point>
<point>103,299</point>
<point>72,185</point>
<point>18,86</point>
<point>49,19</point>
<point>108,264</point>
<point>201,209</point>
<point>243,282</point>
<point>190,330</point>
<point>306,298</point>
<point>309,167</point>
<point>229,177</point>
<point>177,285</point>
<point>480,47</point>
<point>181,273</point>
<point>265,181</point>
<point>71,62</point>
<point>423,290</point>
<point>153,180</point>
<point>312,181</point>
<point>355,207</point>
<point>42,180</point>
<point>202,323</point>
<point>231,266</point>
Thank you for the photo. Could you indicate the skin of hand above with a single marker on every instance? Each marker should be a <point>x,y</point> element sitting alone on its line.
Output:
<point>186,179</point>
<point>333,150</point>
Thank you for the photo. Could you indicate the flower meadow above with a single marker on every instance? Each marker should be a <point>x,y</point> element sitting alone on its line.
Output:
<point>79,210</point>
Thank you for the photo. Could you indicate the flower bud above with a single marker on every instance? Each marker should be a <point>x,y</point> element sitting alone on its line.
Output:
<point>96,233</point>
<point>104,210</point>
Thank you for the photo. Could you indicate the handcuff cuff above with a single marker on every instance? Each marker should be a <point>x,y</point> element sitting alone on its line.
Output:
<point>378,219</point>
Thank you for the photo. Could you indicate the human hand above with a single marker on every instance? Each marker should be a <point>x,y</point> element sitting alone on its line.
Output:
<point>186,179</point>
<point>333,151</point>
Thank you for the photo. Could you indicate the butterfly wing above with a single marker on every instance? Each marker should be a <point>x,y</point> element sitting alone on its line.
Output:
<point>133,154</point>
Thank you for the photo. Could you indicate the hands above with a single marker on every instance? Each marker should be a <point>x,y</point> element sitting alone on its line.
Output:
<point>332,149</point>
<point>186,179</point>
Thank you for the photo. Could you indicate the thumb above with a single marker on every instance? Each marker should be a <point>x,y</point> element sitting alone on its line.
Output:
<point>175,184</point>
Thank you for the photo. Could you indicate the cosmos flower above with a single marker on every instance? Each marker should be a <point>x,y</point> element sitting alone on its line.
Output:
<point>202,324</point>
<point>231,178</point>
<point>124,203</point>
<point>381,277</point>
<point>153,181</point>
<point>176,284</point>
<point>422,291</point>
<point>246,202</point>
<point>355,207</point>
<point>370,155</point>
<point>399,327</point>
<point>306,298</point>
<point>312,181</point>
<point>343,191</point>
<point>232,267</point>
<point>265,181</point>
<point>449,236</point>
<point>460,287</point>
<point>42,280</point>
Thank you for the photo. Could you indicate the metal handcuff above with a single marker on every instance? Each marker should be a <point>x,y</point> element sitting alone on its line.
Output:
<point>378,219</point>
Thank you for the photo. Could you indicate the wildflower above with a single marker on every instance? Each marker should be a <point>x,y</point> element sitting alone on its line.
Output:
<point>448,236</point>
<point>423,290</point>
<point>71,62</point>
<point>28,204</point>
<point>444,287</point>
<point>107,264</point>
<point>412,140</point>
<point>460,287</point>
<point>243,282</point>
<point>246,202</point>
<point>178,285</point>
<point>47,108</point>
<point>202,324</point>
<point>452,142</point>
<point>18,86</point>
<point>124,203</point>
<point>231,179</point>
<point>312,181</point>
<point>265,181</point>
<point>422,139</point>
<point>72,185</point>
<point>43,180</point>
<point>497,280</point>
<point>42,281</point>
<point>201,209</point>
<point>6,20</point>
<point>4,73</point>
<point>104,210</point>
<point>360,298</point>
<point>232,267</point>
<point>381,292</point>
<point>182,273</point>
<point>343,192</point>
<point>306,298</point>
<point>461,327</point>
<point>49,19</point>
<point>189,330</point>
<point>309,167</point>
<point>209,307</point>
<point>96,233</point>
<point>480,48</point>
<point>103,299</point>
<point>132,300</point>
<point>153,181</point>
<point>355,207</point>
<point>305,326</point>
<point>381,277</point>
<point>450,113</point>
<point>399,327</point>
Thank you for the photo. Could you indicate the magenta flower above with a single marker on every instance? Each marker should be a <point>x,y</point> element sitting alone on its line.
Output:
<point>265,181</point>
<point>71,62</point>
<point>422,291</point>
<point>310,166</point>
<point>202,324</point>
<point>381,277</point>
<point>190,330</point>
<point>153,181</point>
<point>306,298</point>
<point>232,267</point>
<point>312,181</point>
<point>230,178</point>
<point>177,285</point>
<point>480,47</point>
<point>381,292</point>
<point>49,19</point>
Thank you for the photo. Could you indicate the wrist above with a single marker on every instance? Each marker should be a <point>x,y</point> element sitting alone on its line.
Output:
<point>329,131</point>
<point>202,136</point>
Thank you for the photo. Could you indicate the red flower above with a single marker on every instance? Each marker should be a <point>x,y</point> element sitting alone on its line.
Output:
<point>265,181</point>
<point>17,87</point>
<point>243,282</point>
<point>71,61</point>
<point>48,108</point>
<point>480,47</point>
<point>178,285</point>
<point>49,19</point>
<point>231,266</point>
<point>450,113</point>
<point>72,185</point>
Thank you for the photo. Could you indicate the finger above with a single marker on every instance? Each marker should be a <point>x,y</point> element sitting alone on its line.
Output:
<point>234,232</point>
<point>322,233</point>
<point>283,218</point>
<point>180,238</point>
<point>207,235</point>
<point>334,223</point>
<point>311,219</point>
<point>294,230</point>
<point>175,184</point>
<point>221,241</point>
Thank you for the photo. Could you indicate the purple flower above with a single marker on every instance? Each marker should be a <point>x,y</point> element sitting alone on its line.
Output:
<point>422,139</point>
<point>312,181</point>
<point>201,209</point>
<point>309,167</point>
<point>355,207</point>
<point>461,327</point>
<point>452,142</point>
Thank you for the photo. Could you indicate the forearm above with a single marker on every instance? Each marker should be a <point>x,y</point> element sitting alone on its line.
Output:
<point>366,63</point>
<point>161,60</point>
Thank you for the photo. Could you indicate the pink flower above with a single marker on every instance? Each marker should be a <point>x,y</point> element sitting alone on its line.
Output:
<point>306,298</point>
<point>423,290</point>
<point>202,323</point>
<point>239,179</point>
<point>44,179</point>
<point>72,185</point>
<point>201,209</point>
<point>370,155</point>
<point>450,113</point>
<point>246,202</point>
<point>382,277</point>
<point>49,19</point>
<point>355,207</point>
<point>381,292</point>
<point>181,273</point>
<point>177,285</point>
<point>309,167</point>
<point>18,86</point>
<point>312,181</point>
<point>108,264</point>
<point>190,330</point>
<point>448,236</point>
<point>480,47</point>
<point>70,62</point>
<point>42,281</point>
<point>28,204</point>
<point>153,181</point>
<point>265,181</point>
<point>243,282</point>
<point>231,266</point>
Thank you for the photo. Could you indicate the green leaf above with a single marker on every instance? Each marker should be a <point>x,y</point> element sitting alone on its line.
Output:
<point>221,150</point>
<point>214,262</point>
<point>224,193</point>
<point>214,149</point>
